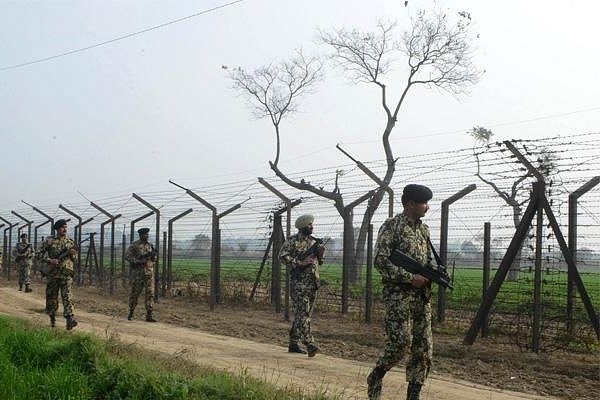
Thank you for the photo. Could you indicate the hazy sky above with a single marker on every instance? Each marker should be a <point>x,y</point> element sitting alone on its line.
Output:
<point>129,115</point>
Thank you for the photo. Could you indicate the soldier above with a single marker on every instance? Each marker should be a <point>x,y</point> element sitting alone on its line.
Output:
<point>24,258</point>
<point>141,257</point>
<point>406,296</point>
<point>304,282</point>
<point>59,253</point>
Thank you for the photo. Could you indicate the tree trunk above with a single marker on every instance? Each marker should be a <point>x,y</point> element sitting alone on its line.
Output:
<point>361,241</point>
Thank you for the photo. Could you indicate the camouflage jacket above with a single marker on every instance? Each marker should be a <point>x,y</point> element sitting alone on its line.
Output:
<point>141,254</point>
<point>23,252</point>
<point>55,247</point>
<point>412,239</point>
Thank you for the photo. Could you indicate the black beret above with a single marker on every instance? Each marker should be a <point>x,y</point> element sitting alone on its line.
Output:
<point>59,224</point>
<point>416,193</point>
<point>141,231</point>
<point>23,235</point>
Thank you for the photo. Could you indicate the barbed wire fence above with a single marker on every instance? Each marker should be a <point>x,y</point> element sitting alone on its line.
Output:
<point>188,242</point>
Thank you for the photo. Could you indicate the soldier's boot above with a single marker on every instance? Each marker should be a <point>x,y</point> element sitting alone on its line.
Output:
<point>312,349</point>
<point>294,348</point>
<point>130,315</point>
<point>374,383</point>
<point>413,391</point>
<point>71,322</point>
<point>149,317</point>
<point>20,287</point>
<point>52,321</point>
<point>28,289</point>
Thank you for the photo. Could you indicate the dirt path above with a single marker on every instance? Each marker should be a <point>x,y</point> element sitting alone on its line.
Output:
<point>268,362</point>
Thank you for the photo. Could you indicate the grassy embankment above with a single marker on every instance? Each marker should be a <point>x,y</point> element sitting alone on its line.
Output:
<point>42,363</point>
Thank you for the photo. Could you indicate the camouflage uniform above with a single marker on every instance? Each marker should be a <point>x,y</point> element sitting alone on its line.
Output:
<point>24,259</point>
<point>59,277</point>
<point>407,309</point>
<point>304,282</point>
<point>141,258</point>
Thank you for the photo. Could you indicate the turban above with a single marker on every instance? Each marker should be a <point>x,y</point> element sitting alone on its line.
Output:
<point>304,220</point>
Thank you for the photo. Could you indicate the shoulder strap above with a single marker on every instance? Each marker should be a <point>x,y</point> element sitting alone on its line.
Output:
<point>438,260</point>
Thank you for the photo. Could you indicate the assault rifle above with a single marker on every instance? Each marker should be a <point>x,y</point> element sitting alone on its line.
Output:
<point>316,250</point>
<point>147,257</point>
<point>21,255</point>
<point>46,267</point>
<point>438,276</point>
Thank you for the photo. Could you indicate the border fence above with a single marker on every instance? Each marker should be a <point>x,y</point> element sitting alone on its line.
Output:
<point>219,243</point>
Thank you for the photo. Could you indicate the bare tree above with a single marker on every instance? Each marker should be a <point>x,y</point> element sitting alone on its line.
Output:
<point>273,90</point>
<point>438,54</point>
<point>521,178</point>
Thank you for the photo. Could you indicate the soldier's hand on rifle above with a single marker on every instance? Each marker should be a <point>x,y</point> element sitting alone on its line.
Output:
<point>73,252</point>
<point>307,261</point>
<point>419,281</point>
<point>53,261</point>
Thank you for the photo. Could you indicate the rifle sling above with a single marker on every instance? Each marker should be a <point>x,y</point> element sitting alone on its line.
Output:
<point>438,260</point>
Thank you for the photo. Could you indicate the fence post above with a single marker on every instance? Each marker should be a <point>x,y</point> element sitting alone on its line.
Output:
<point>346,256</point>
<point>215,269</point>
<point>8,250</point>
<point>110,221</point>
<point>369,291</point>
<point>486,272</point>
<point>571,290</point>
<point>168,276</point>
<point>441,305</point>
<point>27,225</point>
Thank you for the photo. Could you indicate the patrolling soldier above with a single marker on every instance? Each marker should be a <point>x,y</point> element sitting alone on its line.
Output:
<point>406,296</point>
<point>59,253</point>
<point>24,258</point>
<point>141,257</point>
<point>303,254</point>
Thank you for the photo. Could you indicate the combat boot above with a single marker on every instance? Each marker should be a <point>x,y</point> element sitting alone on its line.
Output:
<point>28,289</point>
<point>413,392</point>
<point>374,383</point>
<point>71,322</point>
<point>130,315</point>
<point>294,348</point>
<point>52,321</point>
<point>20,287</point>
<point>312,349</point>
<point>149,317</point>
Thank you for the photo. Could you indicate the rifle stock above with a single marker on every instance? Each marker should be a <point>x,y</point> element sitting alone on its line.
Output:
<point>405,261</point>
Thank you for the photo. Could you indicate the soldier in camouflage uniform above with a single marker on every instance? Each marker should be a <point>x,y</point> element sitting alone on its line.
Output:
<point>141,257</point>
<point>24,258</point>
<point>406,296</point>
<point>304,282</point>
<point>59,253</point>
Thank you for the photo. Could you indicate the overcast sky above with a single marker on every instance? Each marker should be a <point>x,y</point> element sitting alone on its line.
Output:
<point>129,115</point>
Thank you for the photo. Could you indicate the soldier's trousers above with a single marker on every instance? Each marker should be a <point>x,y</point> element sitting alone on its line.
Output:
<point>303,291</point>
<point>63,283</point>
<point>24,273</point>
<point>408,330</point>
<point>141,280</point>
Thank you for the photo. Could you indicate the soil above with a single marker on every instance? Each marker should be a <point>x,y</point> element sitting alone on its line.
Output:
<point>254,339</point>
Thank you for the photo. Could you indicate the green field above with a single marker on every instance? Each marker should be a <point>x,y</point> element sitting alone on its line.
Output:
<point>467,294</point>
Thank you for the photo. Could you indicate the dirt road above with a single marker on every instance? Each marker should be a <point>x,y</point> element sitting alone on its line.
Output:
<point>268,362</point>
